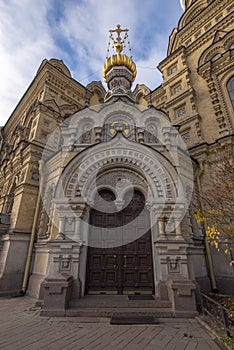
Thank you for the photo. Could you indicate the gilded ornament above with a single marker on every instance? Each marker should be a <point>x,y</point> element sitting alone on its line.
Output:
<point>119,59</point>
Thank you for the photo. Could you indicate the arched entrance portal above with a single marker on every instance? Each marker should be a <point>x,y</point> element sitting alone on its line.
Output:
<point>128,267</point>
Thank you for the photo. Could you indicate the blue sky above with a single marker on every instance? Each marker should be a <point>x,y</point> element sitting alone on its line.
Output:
<point>76,31</point>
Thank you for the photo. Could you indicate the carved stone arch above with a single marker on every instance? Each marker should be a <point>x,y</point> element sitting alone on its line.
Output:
<point>52,104</point>
<point>136,187</point>
<point>119,108</point>
<point>11,186</point>
<point>122,178</point>
<point>155,182</point>
<point>191,13</point>
<point>111,117</point>
<point>29,114</point>
<point>228,104</point>
<point>151,133</point>
<point>101,188</point>
<point>153,128</point>
<point>97,89</point>
<point>60,66</point>
<point>85,128</point>
<point>83,169</point>
<point>228,40</point>
<point>140,92</point>
<point>28,127</point>
<point>10,195</point>
<point>66,110</point>
<point>140,99</point>
<point>155,114</point>
<point>87,131</point>
<point>16,134</point>
<point>210,52</point>
<point>152,119</point>
<point>79,122</point>
<point>230,89</point>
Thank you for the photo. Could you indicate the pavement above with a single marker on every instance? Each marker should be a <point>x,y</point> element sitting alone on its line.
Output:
<point>22,327</point>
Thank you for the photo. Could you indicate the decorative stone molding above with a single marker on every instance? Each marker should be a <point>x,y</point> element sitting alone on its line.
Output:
<point>208,73</point>
<point>124,153</point>
<point>119,82</point>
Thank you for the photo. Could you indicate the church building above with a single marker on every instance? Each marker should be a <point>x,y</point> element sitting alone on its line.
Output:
<point>98,185</point>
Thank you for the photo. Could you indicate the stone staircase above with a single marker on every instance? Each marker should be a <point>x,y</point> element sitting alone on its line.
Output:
<point>108,306</point>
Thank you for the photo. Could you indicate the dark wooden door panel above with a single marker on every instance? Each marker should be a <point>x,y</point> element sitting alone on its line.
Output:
<point>126,268</point>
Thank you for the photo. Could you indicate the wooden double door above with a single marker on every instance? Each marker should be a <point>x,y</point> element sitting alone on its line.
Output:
<point>120,253</point>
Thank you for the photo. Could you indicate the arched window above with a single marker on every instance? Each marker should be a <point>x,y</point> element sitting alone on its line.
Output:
<point>216,57</point>
<point>230,88</point>
<point>151,134</point>
<point>87,134</point>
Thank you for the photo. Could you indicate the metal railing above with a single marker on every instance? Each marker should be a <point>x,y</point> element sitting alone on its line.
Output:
<point>219,313</point>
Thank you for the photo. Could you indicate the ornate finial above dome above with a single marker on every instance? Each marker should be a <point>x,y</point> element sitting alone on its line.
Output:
<point>119,38</point>
<point>118,42</point>
<point>119,70</point>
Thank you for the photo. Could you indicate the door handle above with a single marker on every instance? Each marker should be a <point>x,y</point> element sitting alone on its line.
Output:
<point>125,260</point>
<point>115,261</point>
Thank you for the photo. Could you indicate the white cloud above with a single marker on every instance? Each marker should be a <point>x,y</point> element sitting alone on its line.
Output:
<point>24,42</point>
<point>78,34</point>
<point>86,27</point>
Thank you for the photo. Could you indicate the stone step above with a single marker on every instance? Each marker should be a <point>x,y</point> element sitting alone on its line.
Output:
<point>109,312</point>
<point>119,303</point>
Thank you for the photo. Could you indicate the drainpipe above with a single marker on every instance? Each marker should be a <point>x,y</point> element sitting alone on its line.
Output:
<point>207,246</point>
<point>33,234</point>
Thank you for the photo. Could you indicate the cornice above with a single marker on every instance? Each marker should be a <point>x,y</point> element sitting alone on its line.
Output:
<point>206,37</point>
<point>179,97</point>
<point>210,71</point>
<point>180,50</point>
<point>195,117</point>
<point>159,90</point>
<point>205,148</point>
<point>48,75</point>
<point>175,76</point>
<point>205,16</point>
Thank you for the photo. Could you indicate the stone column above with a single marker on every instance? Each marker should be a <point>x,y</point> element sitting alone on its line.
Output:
<point>161,228</point>
<point>77,235</point>
<point>140,133</point>
<point>98,133</point>
<point>61,229</point>
<point>177,221</point>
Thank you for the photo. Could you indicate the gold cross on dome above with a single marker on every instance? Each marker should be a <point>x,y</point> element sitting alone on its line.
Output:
<point>118,41</point>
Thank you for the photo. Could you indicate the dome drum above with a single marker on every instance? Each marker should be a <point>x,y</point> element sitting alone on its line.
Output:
<point>117,73</point>
<point>119,81</point>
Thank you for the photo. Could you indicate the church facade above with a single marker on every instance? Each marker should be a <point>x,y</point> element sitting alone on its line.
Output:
<point>98,187</point>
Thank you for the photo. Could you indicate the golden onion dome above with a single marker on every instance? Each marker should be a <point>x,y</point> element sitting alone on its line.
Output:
<point>119,60</point>
<point>119,37</point>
